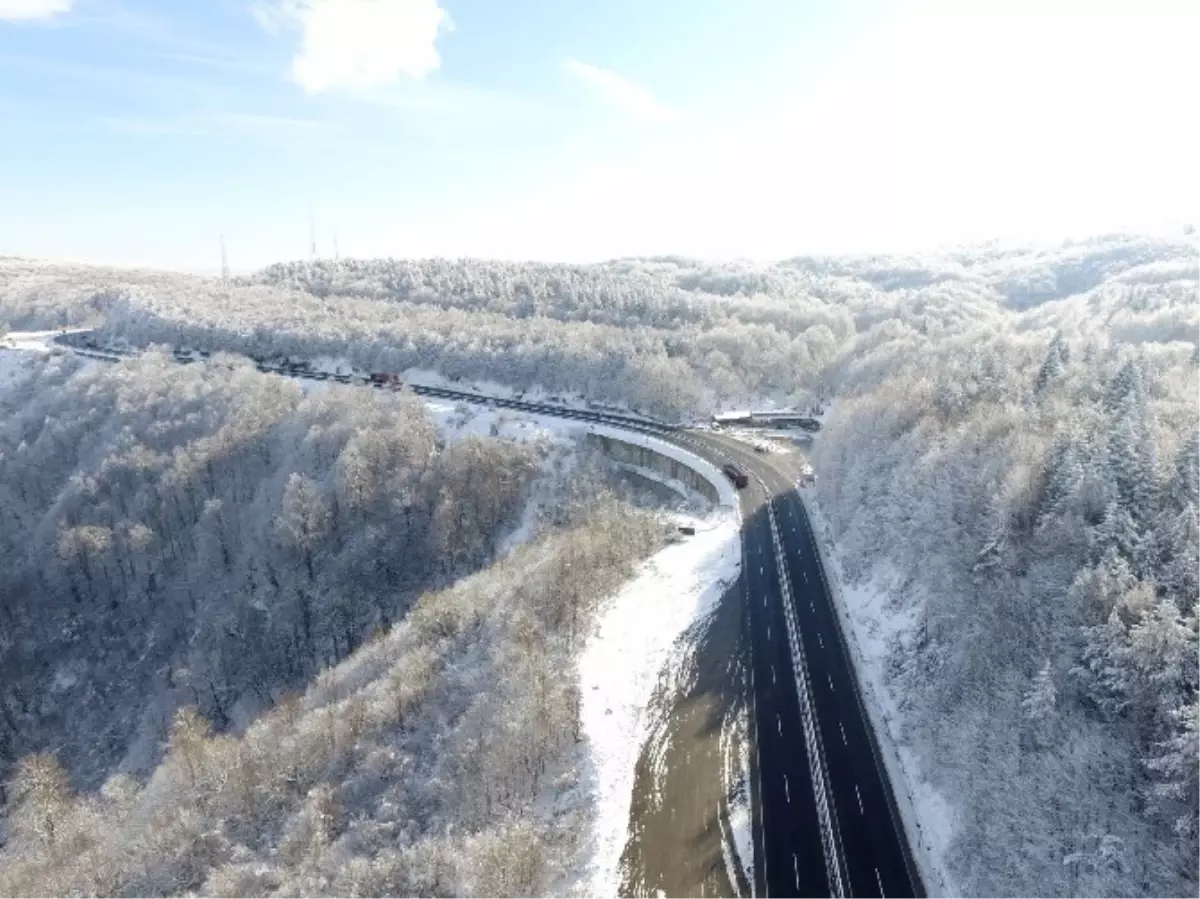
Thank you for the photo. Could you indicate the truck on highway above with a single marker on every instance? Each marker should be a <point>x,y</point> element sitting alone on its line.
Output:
<point>736,475</point>
<point>385,379</point>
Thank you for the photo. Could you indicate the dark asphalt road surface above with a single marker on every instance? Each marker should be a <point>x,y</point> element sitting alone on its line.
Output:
<point>873,854</point>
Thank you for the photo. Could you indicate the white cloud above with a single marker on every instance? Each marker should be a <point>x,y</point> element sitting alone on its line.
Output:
<point>358,44</point>
<point>26,10</point>
<point>620,92</point>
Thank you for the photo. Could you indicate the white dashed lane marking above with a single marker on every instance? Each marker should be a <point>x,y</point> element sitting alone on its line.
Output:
<point>858,796</point>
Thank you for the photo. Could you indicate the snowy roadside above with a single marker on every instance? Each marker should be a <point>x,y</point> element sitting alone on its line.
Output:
<point>872,625</point>
<point>18,349</point>
<point>735,772</point>
<point>634,641</point>
<point>636,638</point>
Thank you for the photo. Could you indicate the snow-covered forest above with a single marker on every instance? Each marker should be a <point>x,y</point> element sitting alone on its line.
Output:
<point>190,552</point>
<point>1011,453</point>
<point>1030,508</point>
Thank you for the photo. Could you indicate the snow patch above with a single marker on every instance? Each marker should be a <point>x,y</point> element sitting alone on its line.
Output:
<point>634,640</point>
<point>737,838</point>
<point>18,349</point>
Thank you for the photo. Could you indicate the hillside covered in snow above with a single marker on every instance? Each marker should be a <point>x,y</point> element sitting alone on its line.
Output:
<point>1008,472</point>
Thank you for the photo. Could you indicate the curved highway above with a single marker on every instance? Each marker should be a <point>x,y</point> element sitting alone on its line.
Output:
<point>825,818</point>
<point>829,822</point>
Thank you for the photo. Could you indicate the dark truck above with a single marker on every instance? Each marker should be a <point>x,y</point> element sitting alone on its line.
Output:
<point>736,475</point>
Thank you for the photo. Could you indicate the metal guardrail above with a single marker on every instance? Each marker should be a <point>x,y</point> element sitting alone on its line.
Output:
<point>77,343</point>
<point>884,745</point>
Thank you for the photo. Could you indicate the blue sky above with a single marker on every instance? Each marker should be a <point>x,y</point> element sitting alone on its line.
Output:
<point>138,132</point>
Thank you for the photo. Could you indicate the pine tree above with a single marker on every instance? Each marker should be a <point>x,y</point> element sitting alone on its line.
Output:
<point>1186,481</point>
<point>1126,389</point>
<point>1134,465</point>
<point>1064,474</point>
<point>1106,673</point>
<point>1097,590</point>
<point>1118,532</point>
<point>1162,647</point>
<point>1177,764</point>
<point>1038,705</point>
<point>1180,572</point>
<point>1058,355</point>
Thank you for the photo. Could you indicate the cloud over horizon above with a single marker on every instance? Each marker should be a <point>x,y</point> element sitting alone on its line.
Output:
<point>28,10</point>
<point>358,44</point>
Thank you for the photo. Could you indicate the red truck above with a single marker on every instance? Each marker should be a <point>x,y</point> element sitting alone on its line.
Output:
<point>736,475</point>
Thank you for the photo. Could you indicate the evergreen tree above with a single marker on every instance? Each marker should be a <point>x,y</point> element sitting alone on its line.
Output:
<point>1177,765</point>
<point>1126,389</point>
<point>1064,475</point>
<point>1058,355</point>
<point>1118,532</point>
<point>1186,479</point>
<point>1039,706</point>
<point>1180,572</point>
<point>1134,466</point>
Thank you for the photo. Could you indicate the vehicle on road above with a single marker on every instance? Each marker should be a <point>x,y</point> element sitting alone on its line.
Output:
<point>384,378</point>
<point>736,475</point>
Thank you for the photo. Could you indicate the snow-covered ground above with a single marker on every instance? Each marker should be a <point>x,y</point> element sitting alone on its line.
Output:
<point>771,441</point>
<point>633,643</point>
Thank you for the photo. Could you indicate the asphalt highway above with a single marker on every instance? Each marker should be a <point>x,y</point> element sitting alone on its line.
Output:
<point>861,827</point>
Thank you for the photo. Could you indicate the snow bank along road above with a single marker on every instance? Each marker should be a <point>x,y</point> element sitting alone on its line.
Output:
<point>827,822</point>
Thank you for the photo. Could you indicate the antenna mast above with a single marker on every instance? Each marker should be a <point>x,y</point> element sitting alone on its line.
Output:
<point>224,262</point>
